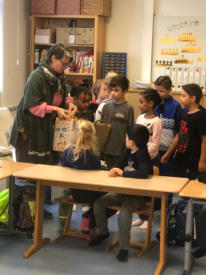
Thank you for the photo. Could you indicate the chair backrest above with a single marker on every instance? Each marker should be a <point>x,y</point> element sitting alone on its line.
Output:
<point>6,121</point>
<point>156,171</point>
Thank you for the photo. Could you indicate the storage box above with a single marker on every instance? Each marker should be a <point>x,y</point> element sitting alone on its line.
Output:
<point>66,35</point>
<point>68,7</point>
<point>85,36</point>
<point>43,6</point>
<point>43,36</point>
<point>96,7</point>
<point>116,62</point>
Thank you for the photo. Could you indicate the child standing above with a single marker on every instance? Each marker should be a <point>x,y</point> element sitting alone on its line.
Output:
<point>190,142</point>
<point>148,100</point>
<point>98,113</point>
<point>81,98</point>
<point>170,118</point>
<point>120,115</point>
<point>136,163</point>
<point>100,92</point>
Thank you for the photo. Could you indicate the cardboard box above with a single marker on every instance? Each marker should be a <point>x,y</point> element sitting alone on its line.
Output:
<point>65,35</point>
<point>68,7</point>
<point>85,36</point>
<point>43,36</point>
<point>43,6</point>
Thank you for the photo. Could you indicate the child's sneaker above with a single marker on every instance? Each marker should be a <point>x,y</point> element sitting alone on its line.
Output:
<point>122,255</point>
<point>137,222</point>
<point>144,225</point>
<point>100,238</point>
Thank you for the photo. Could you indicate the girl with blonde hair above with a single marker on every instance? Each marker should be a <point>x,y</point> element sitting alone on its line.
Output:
<point>83,155</point>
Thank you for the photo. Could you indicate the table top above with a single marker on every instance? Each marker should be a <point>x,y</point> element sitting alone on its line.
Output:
<point>99,180</point>
<point>194,189</point>
<point>8,167</point>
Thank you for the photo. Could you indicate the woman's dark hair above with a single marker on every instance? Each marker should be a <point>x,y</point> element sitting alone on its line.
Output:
<point>59,51</point>
<point>152,95</point>
<point>193,90</point>
<point>164,81</point>
<point>139,134</point>
<point>119,80</point>
<point>77,90</point>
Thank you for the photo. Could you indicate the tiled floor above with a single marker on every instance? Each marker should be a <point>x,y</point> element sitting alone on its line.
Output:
<point>71,256</point>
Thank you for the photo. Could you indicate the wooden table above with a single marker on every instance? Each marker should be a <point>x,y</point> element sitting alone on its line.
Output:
<point>196,192</point>
<point>98,180</point>
<point>7,168</point>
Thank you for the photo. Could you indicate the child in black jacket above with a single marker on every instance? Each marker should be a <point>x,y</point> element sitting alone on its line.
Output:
<point>136,163</point>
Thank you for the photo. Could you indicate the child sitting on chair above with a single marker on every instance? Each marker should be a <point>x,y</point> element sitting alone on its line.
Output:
<point>83,155</point>
<point>136,163</point>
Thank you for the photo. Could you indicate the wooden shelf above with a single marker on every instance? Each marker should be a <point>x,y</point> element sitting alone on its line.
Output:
<point>75,16</point>
<point>44,44</point>
<point>70,45</point>
<point>48,21</point>
<point>77,74</point>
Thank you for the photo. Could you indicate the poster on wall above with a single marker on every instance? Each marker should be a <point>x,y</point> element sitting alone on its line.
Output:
<point>179,49</point>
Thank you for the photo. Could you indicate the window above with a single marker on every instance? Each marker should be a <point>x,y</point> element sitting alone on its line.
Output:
<point>1,45</point>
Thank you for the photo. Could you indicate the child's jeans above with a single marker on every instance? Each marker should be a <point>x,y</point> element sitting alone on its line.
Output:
<point>128,205</point>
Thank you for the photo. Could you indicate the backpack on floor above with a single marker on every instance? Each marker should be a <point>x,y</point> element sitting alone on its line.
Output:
<point>4,206</point>
<point>24,208</point>
<point>176,223</point>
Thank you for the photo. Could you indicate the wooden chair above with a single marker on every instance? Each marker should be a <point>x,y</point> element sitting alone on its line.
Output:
<point>148,211</point>
<point>68,231</point>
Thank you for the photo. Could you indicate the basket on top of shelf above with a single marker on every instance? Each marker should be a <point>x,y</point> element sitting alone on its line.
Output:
<point>43,6</point>
<point>96,7</point>
<point>68,7</point>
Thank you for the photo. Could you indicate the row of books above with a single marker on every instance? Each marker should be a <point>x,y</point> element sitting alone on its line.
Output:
<point>83,62</point>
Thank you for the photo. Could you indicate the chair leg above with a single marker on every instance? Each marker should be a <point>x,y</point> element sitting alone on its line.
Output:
<point>68,231</point>
<point>147,244</point>
<point>68,219</point>
<point>114,243</point>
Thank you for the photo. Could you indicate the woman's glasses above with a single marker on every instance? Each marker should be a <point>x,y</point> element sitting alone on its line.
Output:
<point>64,64</point>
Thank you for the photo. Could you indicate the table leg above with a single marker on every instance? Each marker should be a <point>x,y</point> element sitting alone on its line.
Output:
<point>188,238</point>
<point>163,236</point>
<point>11,201</point>
<point>38,241</point>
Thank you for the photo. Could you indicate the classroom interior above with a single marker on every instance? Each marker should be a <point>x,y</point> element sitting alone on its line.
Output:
<point>129,29</point>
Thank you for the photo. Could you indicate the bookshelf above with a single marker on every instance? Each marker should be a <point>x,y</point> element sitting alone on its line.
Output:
<point>39,21</point>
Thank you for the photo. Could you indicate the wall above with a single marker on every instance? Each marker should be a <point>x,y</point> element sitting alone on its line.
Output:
<point>129,29</point>
<point>15,47</point>
<point>181,7</point>
<point>131,25</point>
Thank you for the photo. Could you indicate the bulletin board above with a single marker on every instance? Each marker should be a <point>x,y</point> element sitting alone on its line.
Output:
<point>179,49</point>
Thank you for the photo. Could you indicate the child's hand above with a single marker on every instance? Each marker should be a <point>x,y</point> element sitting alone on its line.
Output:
<point>72,108</point>
<point>201,166</point>
<point>164,158</point>
<point>115,172</point>
<point>62,113</point>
